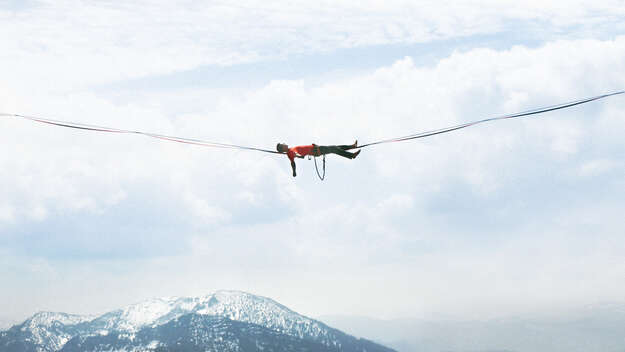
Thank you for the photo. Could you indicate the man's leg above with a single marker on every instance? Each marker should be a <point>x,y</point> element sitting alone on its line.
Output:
<point>338,150</point>
<point>348,147</point>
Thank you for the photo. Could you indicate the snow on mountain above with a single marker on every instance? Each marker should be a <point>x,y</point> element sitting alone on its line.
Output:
<point>148,313</point>
<point>235,305</point>
<point>263,311</point>
<point>49,319</point>
<point>50,331</point>
<point>195,332</point>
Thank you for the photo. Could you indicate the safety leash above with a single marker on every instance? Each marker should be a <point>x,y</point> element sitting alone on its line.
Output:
<point>324,168</point>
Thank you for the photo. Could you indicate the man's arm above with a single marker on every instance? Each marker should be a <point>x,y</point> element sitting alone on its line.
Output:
<point>293,167</point>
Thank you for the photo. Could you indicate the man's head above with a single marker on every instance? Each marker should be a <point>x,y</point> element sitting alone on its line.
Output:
<point>282,148</point>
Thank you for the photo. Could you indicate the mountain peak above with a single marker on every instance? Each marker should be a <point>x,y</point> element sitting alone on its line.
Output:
<point>50,331</point>
<point>48,319</point>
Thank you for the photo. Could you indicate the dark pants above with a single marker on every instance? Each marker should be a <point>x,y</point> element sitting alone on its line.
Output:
<point>337,149</point>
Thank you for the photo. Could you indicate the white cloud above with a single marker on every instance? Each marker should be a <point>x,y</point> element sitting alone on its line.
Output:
<point>65,45</point>
<point>63,169</point>
<point>422,220</point>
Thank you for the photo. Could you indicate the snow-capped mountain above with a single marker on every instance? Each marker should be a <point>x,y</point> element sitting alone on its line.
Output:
<point>48,329</point>
<point>225,318</point>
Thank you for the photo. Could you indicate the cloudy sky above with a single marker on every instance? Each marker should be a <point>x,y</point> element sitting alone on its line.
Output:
<point>513,217</point>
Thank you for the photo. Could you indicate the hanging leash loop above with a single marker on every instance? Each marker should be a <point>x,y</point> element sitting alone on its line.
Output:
<point>321,177</point>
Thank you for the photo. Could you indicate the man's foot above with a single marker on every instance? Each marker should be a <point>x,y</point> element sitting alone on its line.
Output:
<point>355,145</point>
<point>355,154</point>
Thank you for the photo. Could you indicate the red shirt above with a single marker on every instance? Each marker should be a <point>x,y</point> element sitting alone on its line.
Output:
<point>301,150</point>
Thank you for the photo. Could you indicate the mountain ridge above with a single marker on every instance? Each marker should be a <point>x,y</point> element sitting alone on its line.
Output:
<point>244,316</point>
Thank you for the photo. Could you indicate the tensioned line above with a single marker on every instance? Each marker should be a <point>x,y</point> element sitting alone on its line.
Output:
<point>206,143</point>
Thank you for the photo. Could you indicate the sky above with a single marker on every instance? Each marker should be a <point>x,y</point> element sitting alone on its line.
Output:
<point>499,219</point>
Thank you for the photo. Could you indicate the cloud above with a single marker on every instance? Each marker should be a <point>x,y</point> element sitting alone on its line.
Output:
<point>92,173</point>
<point>64,45</point>
<point>437,220</point>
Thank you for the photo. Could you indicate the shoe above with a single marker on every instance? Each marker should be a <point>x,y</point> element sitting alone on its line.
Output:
<point>355,145</point>
<point>355,154</point>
